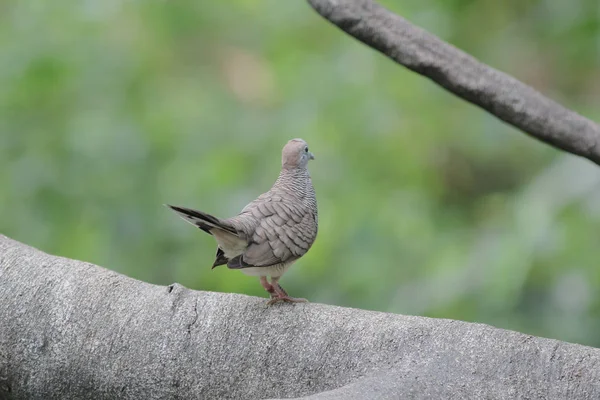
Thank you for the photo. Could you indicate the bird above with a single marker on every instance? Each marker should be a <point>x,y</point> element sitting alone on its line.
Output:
<point>271,232</point>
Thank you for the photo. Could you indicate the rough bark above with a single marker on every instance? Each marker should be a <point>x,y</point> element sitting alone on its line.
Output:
<point>500,94</point>
<point>73,330</point>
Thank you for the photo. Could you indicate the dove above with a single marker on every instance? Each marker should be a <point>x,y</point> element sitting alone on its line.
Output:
<point>271,232</point>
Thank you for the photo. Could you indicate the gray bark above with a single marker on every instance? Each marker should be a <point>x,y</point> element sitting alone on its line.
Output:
<point>73,330</point>
<point>502,95</point>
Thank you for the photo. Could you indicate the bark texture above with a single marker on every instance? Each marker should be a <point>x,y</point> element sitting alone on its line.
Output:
<point>73,330</point>
<point>500,94</point>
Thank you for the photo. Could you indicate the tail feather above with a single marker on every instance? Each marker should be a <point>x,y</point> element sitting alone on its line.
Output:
<point>220,258</point>
<point>204,221</point>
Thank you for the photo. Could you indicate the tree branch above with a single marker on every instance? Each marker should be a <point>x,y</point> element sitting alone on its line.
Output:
<point>72,330</point>
<point>496,92</point>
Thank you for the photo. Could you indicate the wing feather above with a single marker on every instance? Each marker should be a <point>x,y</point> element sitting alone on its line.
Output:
<point>284,233</point>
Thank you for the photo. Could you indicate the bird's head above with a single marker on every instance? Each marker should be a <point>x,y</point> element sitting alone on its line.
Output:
<point>295,154</point>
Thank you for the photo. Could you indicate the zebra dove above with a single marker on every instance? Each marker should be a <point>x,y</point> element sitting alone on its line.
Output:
<point>271,232</point>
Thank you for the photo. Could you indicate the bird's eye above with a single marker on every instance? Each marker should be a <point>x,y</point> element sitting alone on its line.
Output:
<point>306,149</point>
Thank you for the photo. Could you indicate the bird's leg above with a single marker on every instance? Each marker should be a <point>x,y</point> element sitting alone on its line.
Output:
<point>268,287</point>
<point>281,295</point>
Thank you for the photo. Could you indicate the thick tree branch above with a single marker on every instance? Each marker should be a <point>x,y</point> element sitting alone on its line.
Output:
<point>72,330</point>
<point>498,93</point>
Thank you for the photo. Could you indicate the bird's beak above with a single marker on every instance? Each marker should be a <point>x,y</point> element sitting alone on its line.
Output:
<point>311,155</point>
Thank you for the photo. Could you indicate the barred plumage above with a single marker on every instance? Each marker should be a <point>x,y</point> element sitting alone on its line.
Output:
<point>271,232</point>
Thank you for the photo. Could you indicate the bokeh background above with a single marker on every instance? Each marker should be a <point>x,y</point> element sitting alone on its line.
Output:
<point>428,205</point>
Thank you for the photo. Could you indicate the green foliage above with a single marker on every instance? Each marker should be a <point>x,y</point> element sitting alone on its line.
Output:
<point>427,205</point>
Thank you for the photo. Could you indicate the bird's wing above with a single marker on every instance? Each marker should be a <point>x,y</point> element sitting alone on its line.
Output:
<point>284,233</point>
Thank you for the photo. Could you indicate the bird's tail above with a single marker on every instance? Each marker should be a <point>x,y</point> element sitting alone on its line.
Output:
<point>202,220</point>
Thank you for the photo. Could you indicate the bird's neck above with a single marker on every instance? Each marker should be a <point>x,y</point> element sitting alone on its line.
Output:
<point>293,180</point>
<point>294,172</point>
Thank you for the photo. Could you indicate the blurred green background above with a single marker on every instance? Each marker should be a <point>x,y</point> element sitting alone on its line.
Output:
<point>428,205</point>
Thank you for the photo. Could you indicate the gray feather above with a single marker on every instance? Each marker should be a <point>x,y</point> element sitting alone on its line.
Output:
<point>277,228</point>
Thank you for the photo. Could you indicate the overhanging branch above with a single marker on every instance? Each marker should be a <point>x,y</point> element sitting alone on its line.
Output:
<point>500,94</point>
